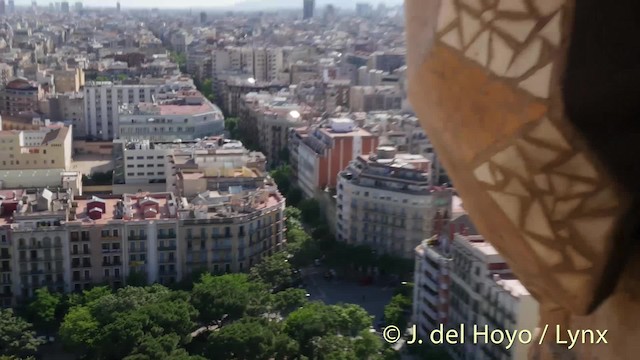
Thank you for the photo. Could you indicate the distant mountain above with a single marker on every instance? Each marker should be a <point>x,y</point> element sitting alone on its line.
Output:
<point>257,5</point>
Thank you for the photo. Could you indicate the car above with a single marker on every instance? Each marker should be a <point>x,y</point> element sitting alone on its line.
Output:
<point>307,295</point>
<point>316,262</point>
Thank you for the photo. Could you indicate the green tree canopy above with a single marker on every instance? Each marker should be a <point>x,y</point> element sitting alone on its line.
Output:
<point>233,295</point>
<point>44,308</point>
<point>246,339</point>
<point>128,318</point>
<point>396,311</point>
<point>290,299</point>
<point>164,347</point>
<point>275,271</point>
<point>17,337</point>
<point>318,320</point>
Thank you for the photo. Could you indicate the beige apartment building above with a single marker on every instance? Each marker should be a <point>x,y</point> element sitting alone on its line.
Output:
<point>385,200</point>
<point>67,243</point>
<point>49,147</point>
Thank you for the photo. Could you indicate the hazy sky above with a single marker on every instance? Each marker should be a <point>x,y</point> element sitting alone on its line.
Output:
<point>197,3</point>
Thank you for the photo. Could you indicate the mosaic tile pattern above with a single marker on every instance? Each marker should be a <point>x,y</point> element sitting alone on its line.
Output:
<point>509,37</point>
<point>552,192</point>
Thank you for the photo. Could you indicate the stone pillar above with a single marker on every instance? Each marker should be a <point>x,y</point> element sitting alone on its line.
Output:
<point>529,105</point>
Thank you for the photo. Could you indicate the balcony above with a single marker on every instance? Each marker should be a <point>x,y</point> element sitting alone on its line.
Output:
<point>167,236</point>
<point>167,261</point>
<point>167,248</point>
<point>111,263</point>
<point>108,251</point>
<point>137,237</point>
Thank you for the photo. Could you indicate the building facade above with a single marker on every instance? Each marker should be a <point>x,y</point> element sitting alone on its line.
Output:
<point>46,148</point>
<point>69,243</point>
<point>185,115</point>
<point>375,98</point>
<point>321,153</point>
<point>385,200</point>
<point>20,95</point>
<point>102,102</point>
<point>484,293</point>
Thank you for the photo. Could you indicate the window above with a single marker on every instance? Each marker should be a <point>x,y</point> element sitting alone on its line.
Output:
<point>149,165</point>
<point>149,157</point>
<point>150,173</point>
<point>130,174</point>
<point>104,233</point>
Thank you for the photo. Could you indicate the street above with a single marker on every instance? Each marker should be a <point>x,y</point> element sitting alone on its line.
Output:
<point>372,298</point>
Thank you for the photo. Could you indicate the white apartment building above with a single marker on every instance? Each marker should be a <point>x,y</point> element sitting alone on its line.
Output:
<point>385,200</point>
<point>144,163</point>
<point>183,115</point>
<point>263,64</point>
<point>152,165</point>
<point>102,102</point>
<point>484,292</point>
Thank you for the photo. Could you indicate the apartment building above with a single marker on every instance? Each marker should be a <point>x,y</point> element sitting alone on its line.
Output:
<point>6,74</point>
<point>102,102</point>
<point>267,120</point>
<point>235,87</point>
<point>54,239</point>
<point>484,292</point>
<point>37,239</point>
<point>234,227</point>
<point>69,80</point>
<point>69,107</point>
<point>433,266</point>
<point>387,61</point>
<point>46,148</point>
<point>183,115</point>
<point>20,95</point>
<point>264,64</point>
<point>322,152</point>
<point>153,165</point>
<point>375,98</point>
<point>385,200</point>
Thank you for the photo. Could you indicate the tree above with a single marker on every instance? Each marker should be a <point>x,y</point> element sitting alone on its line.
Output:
<point>294,196</point>
<point>282,176</point>
<point>231,125</point>
<point>311,211</point>
<point>79,329</point>
<point>316,320</point>
<point>312,320</point>
<point>396,311</point>
<point>136,278</point>
<point>275,271</point>
<point>165,347</point>
<point>43,309</point>
<point>289,300</point>
<point>367,345</point>
<point>352,318</point>
<point>246,339</point>
<point>128,318</point>
<point>17,337</point>
<point>232,295</point>
<point>333,347</point>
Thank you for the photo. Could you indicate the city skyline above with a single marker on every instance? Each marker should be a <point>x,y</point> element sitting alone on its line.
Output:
<point>219,4</point>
